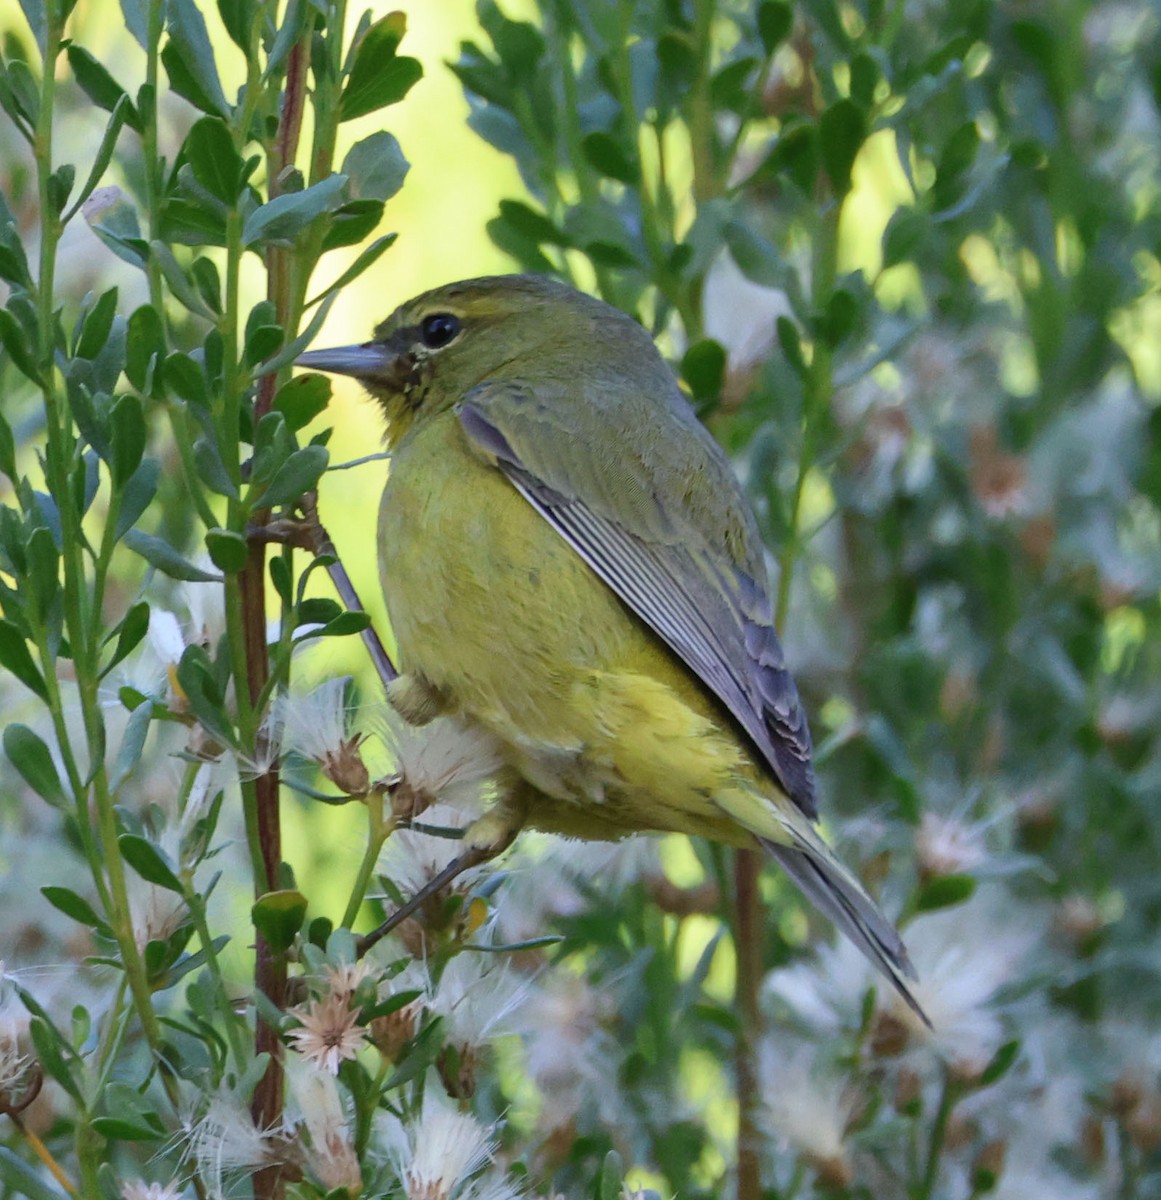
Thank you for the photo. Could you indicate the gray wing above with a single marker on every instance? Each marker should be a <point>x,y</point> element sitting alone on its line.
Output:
<point>685,583</point>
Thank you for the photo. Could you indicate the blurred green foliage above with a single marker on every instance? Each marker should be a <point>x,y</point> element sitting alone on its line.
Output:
<point>906,257</point>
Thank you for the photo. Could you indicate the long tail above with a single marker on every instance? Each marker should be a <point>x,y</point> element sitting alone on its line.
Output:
<point>837,894</point>
<point>790,837</point>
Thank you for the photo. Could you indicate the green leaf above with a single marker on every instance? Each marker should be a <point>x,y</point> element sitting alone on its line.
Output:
<point>945,891</point>
<point>216,165</point>
<point>42,582</point>
<point>344,625</point>
<point>375,167</point>
<point>145,350</point>
<point>37,18</point>
<point>955,163</point>
<point>203,691</point>
<point>60,186</point>
<point>282,218</point>
<point>293,349</point>
<point>165,558</point>
<point>610,1180</point>
<point>177,279</point>
<point>731,87</point>
<point>118,1129</point>
<point>24,90</point>
<point>303,399</point>
<point>186,379</point>
<point>237,16</point>
<point>795,157</point>
<point>535,226</point>
<point>77,907</point>
<point>127,433</point>
<point>132,744</point>
<point>606,154</point>
<point>104,155</point>
<point>228,550</point>
<point>756,258</point>
<point>7,450</point>
<point>278,916</point>
<point>211,470</point>
<point>352,223</point>
<point>16,343</point>
<point>261,342</point>
<point>100,87</point>
<point>379,76</point>
<point>13,261</point>
<point>840,318</point>
<point>189,223</point>
<point>23,1180</point>
<point>609,254</point>
<point>791,344</point>
<point>208,283</point>
<point>774,22</point>
<point>299,474</point>
<point>865,78</point>
<point>903,235</point>
<point>113,219</point>
<point>316,610</point>
<point>366,258</point>
<point>704,368</point>
<point>137,495</point>
<point>150,862</point>
<point>31,757</point>
<point>134,626</point>
<point>1001,1061</point>
<point>842,131</point>
<point>136,21</point>
<point>15,658</point>
<point>189,59</point>
<point>98,321</point>
<point>49,1046</point>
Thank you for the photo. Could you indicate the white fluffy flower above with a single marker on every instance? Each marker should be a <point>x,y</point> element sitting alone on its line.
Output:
<point>138,1189</point>
<point>437,1153</point>
<point>963,957</point>
<point>411,857</point>
<point>478,996</point>
<point>807,1106</point>
<point>316,1107</point>
<point>443,761</point>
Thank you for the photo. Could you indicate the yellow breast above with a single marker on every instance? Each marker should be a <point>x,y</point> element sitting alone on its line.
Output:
<point>494,608</point>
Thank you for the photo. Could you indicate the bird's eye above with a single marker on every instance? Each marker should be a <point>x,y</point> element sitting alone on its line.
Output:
<point>439,329</point>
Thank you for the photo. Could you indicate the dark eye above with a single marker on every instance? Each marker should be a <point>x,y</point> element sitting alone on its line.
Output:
<point>439,329</point>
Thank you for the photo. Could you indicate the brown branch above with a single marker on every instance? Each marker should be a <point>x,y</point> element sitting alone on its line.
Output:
<point>270,973</point>
<point>748,950</point>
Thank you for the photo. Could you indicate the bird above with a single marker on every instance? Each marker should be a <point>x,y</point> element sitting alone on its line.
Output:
<point>569,564</point>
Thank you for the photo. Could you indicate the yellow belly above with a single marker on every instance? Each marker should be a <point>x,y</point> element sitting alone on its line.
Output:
<point>492,607</point>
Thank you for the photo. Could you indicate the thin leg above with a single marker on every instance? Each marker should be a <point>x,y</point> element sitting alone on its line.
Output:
<point>309,534</point>
<point>437,883</point>
<point>487,836</point>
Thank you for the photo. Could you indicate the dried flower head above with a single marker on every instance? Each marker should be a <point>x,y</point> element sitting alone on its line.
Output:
<point>315,724</point>
<point>329,1033</point>
<point>443,762</point>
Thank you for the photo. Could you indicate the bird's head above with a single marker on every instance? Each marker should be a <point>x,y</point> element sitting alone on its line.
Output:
<point>434,349</point>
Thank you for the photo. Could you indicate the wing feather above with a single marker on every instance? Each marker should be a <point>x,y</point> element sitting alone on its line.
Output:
<point>706,607</point>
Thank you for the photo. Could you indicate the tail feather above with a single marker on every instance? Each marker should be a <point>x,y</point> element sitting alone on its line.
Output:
<point>838,895</point>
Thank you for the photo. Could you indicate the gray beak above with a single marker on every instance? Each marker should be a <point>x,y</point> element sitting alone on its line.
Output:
<point>363,362</point>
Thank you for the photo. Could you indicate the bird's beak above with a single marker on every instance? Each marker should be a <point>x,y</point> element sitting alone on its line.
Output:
<point>367,361</point>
